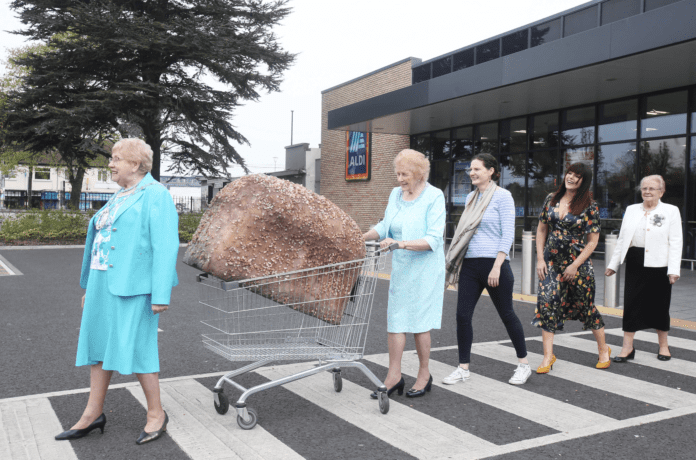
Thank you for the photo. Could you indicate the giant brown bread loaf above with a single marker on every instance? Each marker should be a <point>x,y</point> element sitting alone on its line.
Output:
<point>260,225</point>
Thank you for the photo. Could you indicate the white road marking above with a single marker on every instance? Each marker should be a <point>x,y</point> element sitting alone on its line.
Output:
<point>27,430</point>
<point>605,381</point>
<point>526,404</point>
<point>9,268</point>
<point>678,366</point>
<point>651,337</point>
<point>414,432</point>
<point>206,435</point>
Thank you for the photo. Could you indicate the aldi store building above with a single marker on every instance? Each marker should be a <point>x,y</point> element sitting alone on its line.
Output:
<point>611,83</point>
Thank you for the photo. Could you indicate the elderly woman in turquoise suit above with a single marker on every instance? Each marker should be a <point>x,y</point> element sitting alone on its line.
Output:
<point>415,220</point>
<point>128,270</point>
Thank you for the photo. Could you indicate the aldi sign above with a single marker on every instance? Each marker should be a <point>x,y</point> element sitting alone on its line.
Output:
<point>358,156</point>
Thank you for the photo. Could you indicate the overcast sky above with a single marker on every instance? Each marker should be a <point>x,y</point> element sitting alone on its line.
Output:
<point>337,41</point>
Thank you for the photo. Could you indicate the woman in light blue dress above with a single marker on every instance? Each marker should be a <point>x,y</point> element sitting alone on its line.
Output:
<point>415,220</point>
<point>128,270</point>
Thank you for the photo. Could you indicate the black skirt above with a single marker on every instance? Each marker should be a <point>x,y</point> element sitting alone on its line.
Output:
<point>647,294</point>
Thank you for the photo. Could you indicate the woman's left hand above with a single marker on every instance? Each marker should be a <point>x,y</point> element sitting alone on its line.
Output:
<point>159,308</point>
<point>673,278</point>
<point>385,243</point>
<point>494,277</point>
<point>570,272</point>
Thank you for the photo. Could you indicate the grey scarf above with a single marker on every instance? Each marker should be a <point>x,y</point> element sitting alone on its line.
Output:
<point>468,223</point>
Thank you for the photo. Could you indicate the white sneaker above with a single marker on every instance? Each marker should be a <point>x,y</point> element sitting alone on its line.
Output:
<point>459,375</point>
<point>521,374</point>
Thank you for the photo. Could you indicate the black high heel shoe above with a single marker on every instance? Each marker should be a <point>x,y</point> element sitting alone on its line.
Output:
<point>665,357</point>
<point>147,437</point>
<point>416,393</point>
<point>399,387</point>
<point>623,359</point>
<point>77,434</point>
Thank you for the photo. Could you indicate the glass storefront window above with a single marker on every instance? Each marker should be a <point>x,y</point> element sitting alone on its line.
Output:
<point>513,135</point>
<point>420,73</point>
<point>693,114</point>
<point>463,59</point>
<point>666,157</point>
<point>664,114</point>
<point>690,217</point>
<point>580,21</point>
<point>578,126</point>
<point>463,142</point>
<point>615,10</point>
<point>441,145</point>
<point>421,144</point>
<point>488,51</point>
<point>578,155</point>
<point>512,178</point>
<point>543,178</point>
<point>515,42</point>
<point>442,66</point>
<point>616,183</point>
<point>487,138</point>
<point>545,132</point>
<point>618,121</point>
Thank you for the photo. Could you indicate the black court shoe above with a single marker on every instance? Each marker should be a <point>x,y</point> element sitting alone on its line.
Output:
<point>77,434</point>
<point>398,387</point>
<point>417,393</point>
<point>665,357</point>
<point>623,359</point>
<point>147,437</point>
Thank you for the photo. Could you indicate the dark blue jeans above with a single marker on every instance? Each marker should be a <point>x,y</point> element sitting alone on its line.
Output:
<point>473,279</point>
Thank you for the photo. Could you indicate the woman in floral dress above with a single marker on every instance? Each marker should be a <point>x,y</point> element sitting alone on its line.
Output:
<point>567,282</point>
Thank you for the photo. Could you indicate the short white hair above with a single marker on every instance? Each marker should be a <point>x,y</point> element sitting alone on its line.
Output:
<point>655,177</point>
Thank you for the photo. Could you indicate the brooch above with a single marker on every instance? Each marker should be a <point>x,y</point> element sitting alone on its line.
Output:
<point>657,220</point>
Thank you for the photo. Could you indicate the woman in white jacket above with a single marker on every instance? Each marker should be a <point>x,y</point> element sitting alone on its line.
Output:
<point>650,241</point>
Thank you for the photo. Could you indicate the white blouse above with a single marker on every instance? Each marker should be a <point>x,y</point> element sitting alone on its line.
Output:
<point>638,240</point>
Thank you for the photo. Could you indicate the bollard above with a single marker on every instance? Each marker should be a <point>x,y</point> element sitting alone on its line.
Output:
<point>612,284</point>
<point>528,263</point>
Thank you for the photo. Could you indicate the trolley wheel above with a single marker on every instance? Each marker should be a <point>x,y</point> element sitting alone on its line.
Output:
<point>251,423</point>
<point>383,402</point>
<point>338,382</point>
<point>224,405</point>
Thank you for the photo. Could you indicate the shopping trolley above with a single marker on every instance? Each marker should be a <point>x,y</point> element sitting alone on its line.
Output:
<point>321,313</point>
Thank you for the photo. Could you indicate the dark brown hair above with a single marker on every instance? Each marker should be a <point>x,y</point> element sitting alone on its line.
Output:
<point>489,162</point>
<point>583,197</point>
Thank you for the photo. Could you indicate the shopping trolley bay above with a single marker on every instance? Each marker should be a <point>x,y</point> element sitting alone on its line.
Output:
<point>642,409</point>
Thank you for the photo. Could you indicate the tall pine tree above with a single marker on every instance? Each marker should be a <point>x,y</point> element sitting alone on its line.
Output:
<point>176,69</point>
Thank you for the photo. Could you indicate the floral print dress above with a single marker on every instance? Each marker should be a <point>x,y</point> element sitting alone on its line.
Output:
<point>557,300</point>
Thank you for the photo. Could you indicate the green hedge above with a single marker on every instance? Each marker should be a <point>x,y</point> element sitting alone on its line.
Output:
<point>67,227</point>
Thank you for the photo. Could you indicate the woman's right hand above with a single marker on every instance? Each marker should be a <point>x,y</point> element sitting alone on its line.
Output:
<point>609,272</point>
<point>83,301</point>
<point>542,271</point>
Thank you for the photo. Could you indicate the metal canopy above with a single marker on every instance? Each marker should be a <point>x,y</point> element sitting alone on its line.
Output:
<point>650,52</point>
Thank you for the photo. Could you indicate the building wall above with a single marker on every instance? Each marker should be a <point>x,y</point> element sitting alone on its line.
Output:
<point>92,182</point>
<point>364,201</point>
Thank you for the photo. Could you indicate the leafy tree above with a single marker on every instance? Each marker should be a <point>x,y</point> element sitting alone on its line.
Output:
<point>177,69</point>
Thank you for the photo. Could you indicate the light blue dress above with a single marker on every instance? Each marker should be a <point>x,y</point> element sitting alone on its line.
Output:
<point>417,286</point>
<point>119,331</point>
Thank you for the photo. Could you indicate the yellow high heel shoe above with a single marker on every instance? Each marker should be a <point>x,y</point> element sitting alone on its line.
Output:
<point>546,369</point>
<point>605,364</point>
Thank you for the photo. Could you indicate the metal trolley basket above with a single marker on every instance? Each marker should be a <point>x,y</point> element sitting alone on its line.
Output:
<point>294,316</point>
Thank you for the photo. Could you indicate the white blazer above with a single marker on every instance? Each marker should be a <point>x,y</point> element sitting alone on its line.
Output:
<point>663,237</point>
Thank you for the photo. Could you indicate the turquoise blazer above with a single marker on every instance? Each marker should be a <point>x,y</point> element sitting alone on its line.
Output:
<point>144,245</point>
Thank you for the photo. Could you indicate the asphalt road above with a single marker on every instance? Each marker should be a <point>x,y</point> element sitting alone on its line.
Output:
<point>632,411</point>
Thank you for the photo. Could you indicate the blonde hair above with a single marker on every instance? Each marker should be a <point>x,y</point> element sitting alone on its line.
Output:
<point>136,151</point>
<point>415,161</point>
<point>655,177</point>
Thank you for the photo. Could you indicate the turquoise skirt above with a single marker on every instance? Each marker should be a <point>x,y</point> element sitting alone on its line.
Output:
<point>120,332</point>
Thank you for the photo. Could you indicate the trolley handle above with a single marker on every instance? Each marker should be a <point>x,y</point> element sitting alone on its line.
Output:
<point>374,245</point>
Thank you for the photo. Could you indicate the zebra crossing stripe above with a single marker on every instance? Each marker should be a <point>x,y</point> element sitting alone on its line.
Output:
<point>27,430</point>
<point>675,365</point>
<point>204,434</point>
<point>651,337</point>
<point>435,439</point>
<point>526,404</point>
<point>628,387</point>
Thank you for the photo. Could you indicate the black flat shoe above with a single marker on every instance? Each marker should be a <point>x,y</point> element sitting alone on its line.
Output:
<point>147,437</point>
<point>664,357</point>
<point>77,434</point>
<point>623,359</point>
<point>398,387</point>
<point>417,393</point>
